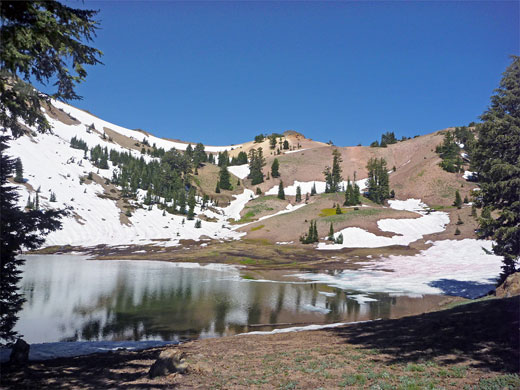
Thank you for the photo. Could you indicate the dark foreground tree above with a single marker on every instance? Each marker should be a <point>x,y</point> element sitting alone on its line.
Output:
<point>41,41</point>
<point>18,230</point>
<point>496,158</point>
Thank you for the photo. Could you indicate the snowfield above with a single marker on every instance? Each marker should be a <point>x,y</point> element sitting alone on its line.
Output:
<point>52,166</point>
<point>448,267</point>
<point>407,230</point>
<point>240,171</point>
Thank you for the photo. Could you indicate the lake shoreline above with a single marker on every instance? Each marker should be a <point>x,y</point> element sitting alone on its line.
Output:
<point>358,354</point>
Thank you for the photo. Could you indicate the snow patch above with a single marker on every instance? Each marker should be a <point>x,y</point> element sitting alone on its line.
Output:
<point>240,171</point>
<point>448,267</point>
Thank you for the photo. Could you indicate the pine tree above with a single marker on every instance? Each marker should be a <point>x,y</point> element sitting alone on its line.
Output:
<point>286,144</point>
<point>459,221</point>
<point>198,224</point>
<point>331,233</point>
<point>217,188</point>
<point>224,178</point>
<point>313,189</point>
<point>52,197</point>
<point>18,177</point>
<point>256,163</point>
<point>298,194</point>
<point>274,168</point>
<point>378,183</point>
<point>258,191</point>
<point>281,192</point>
<point>18,230</point>
<point>338,209</point>
<point>339,239</point>
<point>191,204</point>
<point>457,232</point>
<point>496,158</point>
<point>458,200</point>
<point>182,201</point>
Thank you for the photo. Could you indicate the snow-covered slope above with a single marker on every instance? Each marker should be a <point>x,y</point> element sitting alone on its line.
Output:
<point>52,166</point>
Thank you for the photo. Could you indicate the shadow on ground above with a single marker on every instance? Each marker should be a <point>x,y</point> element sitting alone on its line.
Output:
<point>483,334</point>
<point>463,289</point>
<point>122,370</point>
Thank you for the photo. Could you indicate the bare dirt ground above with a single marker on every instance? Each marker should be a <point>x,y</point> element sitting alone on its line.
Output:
<point>471,346</point>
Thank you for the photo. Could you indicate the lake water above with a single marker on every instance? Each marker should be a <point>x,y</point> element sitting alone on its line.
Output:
<point>70,298</point>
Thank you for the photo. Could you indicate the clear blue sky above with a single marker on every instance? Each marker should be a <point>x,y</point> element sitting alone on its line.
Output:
<point>221,73</point>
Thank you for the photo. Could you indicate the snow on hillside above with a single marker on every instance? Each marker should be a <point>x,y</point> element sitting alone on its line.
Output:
<point>240,171</point>
<point>87,119</point>
<point>52,166</point>
<point>450,267</point>
<point>407,230</point>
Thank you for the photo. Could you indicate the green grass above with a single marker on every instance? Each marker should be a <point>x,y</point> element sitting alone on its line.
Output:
<point>257,228</point>
<point>332,211</point>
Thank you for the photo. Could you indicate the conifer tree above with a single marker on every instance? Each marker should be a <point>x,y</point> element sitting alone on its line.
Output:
<point>52,197</point>
<point>256,163</point>
<point>182,201</point>
<point>281,192</point>
<point>378,184</point>
<point>313,189</point>
<point>496,158</point>
<point>458,200</point>
<point>258,191</point>
<point>274,168</point>
<point>333,175</point>
<point>191,204</point>
<point>286,145</point>
<point>339,239</point>
<point>298,194</point>
<point>19,230</point>
<point>18,177</point>
<point>224,178</point>
<point>331,233</point>
<point>217,188</point>
<point>338,209</point>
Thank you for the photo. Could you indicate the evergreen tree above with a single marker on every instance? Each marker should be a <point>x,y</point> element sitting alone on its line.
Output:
<point>52,197</point>
<point>18,177</point>
<point>281,192</point>
<point>378,183</point>
<point>274,168</point>
<point>182,201</point>
<point>496,158</point>
<point>457,232</point>
<point>224,178</point>
<point>217,188</point>
<point>298,194</point>
<point>458,200</point>
<point>198,224</point>
<point>39,39</point>
<point>313,189</point>
<point>333,176</point>
<point>338,209</point>
<point>258,191</point>
<point>331,233</point>
<point>256,163</point>
<point>272,141</point>
<point>191,204</point>
<point>286,145</point>
<point>18,230</point>
<point>459,221</point>
<point>339,239</point>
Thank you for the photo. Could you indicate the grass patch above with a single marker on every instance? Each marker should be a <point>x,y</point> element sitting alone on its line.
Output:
<point>248,277</point>
<point>248,261</point>
<point>257,228</point>
<point>331,211</point>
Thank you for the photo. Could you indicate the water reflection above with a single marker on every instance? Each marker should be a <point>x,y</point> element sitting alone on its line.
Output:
<point>71,298</point>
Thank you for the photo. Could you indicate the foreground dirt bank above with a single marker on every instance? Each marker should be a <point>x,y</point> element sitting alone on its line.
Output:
<point>471,346</point>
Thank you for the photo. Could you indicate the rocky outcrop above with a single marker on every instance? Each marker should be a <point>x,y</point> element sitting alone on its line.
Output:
<point>168,362</point>
<point>510,287</point>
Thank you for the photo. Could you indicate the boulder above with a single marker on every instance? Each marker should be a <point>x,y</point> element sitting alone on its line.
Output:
<point>168,362</point>
<point>510,287</point>
<point>20,353</point>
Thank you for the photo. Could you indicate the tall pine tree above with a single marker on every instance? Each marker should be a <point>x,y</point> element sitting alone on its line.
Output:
<point>496,159</point>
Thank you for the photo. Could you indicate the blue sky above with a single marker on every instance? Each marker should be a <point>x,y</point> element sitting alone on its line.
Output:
<point>222,72</point>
